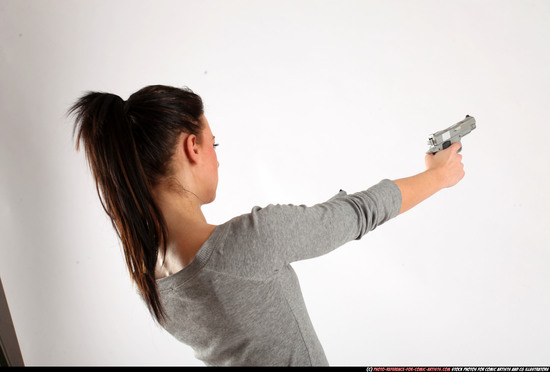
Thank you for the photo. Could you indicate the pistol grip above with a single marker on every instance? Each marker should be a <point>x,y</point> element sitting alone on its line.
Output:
<point>448,143</point>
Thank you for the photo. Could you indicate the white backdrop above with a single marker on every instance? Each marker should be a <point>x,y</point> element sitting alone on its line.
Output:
<point>305,98</point>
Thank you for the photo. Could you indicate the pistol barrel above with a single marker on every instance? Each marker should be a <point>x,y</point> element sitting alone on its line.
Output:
<point>445,138</point>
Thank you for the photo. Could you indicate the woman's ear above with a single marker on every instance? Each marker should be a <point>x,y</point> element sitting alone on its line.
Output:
<point>191,148</point>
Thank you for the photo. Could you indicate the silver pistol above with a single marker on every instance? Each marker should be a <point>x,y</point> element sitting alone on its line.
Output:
<point>445,138</point>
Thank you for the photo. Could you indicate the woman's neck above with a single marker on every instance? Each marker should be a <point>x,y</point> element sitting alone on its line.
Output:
<point>186,228</point>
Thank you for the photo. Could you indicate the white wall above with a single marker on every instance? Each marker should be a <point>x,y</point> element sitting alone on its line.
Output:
<point>305,98</point>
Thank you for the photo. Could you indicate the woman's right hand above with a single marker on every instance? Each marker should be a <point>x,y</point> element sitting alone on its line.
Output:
<point>447,165</point>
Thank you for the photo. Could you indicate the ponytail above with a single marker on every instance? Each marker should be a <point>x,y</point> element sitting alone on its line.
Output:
<point>127,153</point>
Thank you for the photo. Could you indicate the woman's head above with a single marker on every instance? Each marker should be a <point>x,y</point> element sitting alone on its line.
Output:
<point>196,163</point>
<point>132,148</point>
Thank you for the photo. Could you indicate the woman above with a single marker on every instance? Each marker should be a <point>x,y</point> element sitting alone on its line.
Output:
<point>229,290</point>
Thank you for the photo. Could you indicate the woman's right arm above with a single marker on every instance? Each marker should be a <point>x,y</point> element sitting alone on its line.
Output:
<point>444,169</point>
<point>270,237</point>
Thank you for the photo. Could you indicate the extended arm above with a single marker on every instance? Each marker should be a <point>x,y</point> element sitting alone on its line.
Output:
<point>444,169</point>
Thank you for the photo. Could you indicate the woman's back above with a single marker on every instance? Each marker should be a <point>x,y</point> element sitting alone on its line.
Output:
<point>239,302</point>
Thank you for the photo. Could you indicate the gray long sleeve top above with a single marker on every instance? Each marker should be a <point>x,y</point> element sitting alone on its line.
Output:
<point>239,301</point>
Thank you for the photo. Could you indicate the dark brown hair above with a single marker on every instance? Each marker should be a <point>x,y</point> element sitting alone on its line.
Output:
<point>128,145</point>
